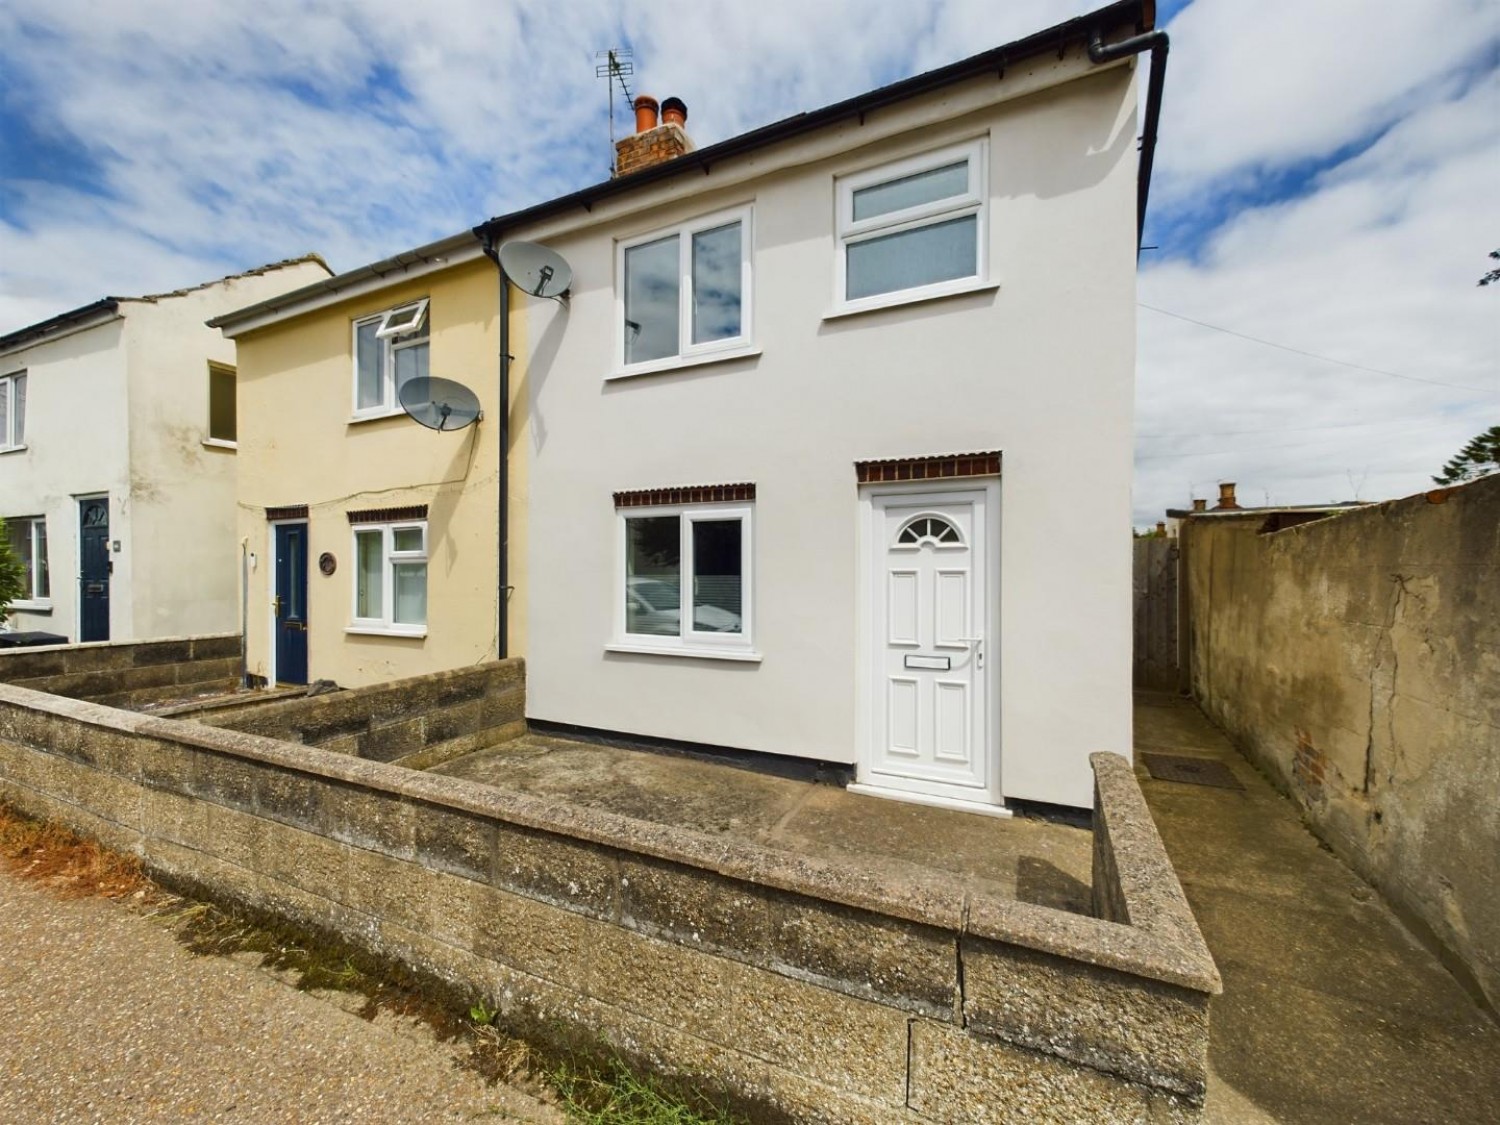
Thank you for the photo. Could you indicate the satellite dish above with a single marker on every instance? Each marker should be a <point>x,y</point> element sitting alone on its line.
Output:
<point>536,269</point>
<point>439,404</point>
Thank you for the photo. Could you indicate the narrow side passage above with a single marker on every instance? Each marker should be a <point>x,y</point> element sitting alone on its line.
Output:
<point>1331,1010</point>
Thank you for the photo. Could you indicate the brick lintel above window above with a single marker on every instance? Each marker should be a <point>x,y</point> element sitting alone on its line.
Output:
<point>287,512</point>
<point>389,515</point>
<point>688,494</point>
<point>929,468</point>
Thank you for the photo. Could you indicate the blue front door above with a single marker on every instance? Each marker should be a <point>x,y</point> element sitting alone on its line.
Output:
<point>93,569</point>
<point>291,603</point>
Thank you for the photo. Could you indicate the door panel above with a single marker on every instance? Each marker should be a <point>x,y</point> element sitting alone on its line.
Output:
<point>93,569</point>
<point>291,603</point>
<point>931,722</point>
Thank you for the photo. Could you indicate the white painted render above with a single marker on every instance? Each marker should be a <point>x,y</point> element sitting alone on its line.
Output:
<point>1038,364</point>
<point>121,407</point>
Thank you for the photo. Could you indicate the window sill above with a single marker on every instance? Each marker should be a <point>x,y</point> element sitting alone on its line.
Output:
<point>32,606</point>
<point>697,652</point>
<point>220,443</point>
<point>408,632</point>
<point>910,297</point>
<point>678,362</point>
<point>12,449</point>
<point>375,416</point>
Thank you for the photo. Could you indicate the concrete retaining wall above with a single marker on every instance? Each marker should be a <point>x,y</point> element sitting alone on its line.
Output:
<point>128,673</point>
<point>418,723</point>
<point>806,987</point>
<point>1357,661</point>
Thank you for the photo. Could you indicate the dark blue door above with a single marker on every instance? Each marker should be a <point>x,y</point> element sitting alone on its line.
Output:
<point>94,566</point>
<point>291,603</point>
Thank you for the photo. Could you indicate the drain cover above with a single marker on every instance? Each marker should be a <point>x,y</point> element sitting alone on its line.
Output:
<point>1190,771</point>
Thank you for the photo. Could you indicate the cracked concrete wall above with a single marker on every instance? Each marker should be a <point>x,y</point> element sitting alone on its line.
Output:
<point>1357,661</point>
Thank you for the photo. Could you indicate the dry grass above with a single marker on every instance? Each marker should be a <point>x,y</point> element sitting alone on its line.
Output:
<point>66,862</point>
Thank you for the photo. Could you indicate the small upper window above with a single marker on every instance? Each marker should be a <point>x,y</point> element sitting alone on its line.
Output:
<point>929,529</point>
<point>914,229</point>
<point>222,414</point>
<point>13,410</point>
<point>390,349</point>
<point>686,291</point>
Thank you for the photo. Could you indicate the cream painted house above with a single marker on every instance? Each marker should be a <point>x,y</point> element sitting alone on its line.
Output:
<point>117,461</point>
<point>793,468</point>
<point>371,540</point>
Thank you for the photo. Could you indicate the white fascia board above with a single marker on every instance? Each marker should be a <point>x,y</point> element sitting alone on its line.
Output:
<point>430,260</point>
<point>102,318</point>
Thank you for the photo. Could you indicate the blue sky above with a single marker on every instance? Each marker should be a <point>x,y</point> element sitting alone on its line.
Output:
<point>1325,180</point>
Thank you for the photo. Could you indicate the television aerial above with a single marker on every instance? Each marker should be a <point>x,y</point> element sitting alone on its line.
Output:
<point>440,404</point>
<point>536,269</point>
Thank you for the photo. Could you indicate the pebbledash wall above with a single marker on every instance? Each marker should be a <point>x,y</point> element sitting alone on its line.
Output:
<point>805,987</point>
<point>1357,660</point>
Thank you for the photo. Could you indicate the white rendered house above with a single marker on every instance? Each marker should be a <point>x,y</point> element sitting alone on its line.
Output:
<point>802,445</point>
<point>117,461</point>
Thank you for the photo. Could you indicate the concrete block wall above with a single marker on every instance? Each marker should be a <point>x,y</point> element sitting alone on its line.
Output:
<point>1356,660</point>
<point>419,722</point>
<point>128,673</point>
<point>807,988</point>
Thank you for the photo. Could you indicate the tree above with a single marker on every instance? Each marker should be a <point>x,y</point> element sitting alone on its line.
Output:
<point>12,574</point>
<point>1479,458</point>
<point>1493,275</point>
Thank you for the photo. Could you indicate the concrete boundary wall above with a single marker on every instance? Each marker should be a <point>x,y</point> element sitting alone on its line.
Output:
<point>1356,660</point>
<point>128,673</point>
<point>804,986</point>
<point>419,722</point>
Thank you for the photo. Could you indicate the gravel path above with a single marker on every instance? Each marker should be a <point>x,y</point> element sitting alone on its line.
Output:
<point>108,1019</point>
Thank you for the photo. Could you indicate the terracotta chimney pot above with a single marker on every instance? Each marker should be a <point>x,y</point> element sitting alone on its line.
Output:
<point>645,113</point>
<point>674,112</point>
<point>1227,501</point>
<point>1200,504</point>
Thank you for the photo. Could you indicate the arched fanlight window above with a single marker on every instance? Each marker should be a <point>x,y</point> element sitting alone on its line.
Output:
<point>929,529</point>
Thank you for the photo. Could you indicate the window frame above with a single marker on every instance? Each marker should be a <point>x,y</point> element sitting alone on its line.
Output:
<point>14,436</point>
<point>210,437</point>
<point>688,352</point>
<point>692,641</point>
<point>33,600</point>
<point>390,558</point>
<point>394,336</point>
<point>973,201</point>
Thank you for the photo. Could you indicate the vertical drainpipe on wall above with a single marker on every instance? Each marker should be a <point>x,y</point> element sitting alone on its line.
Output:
<point>502,593</point>
<point>1157,43</point>
<point>244,613</point>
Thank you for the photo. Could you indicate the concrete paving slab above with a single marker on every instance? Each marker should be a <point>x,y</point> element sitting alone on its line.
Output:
<point>1021,858</point>
<point>1332,1011</point>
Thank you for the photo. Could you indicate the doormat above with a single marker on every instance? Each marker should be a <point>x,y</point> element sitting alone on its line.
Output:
<point>1190,771</point>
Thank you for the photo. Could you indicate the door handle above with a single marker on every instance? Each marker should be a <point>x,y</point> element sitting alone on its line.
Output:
<point>276,606</point>
<point>978,645</point>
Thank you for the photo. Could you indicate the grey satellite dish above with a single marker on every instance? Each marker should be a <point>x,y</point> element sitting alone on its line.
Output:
<point>536,269</point>
<point>440,404</point>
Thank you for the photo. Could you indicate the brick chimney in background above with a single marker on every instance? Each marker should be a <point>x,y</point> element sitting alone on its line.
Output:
<point>653,143</point>
<point>1227,502</point>
<point>1200,504</point>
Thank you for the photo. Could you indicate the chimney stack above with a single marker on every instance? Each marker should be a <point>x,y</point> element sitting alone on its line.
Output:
<point>1200,504</point>
<point>653,142</point>
<point>1227,502</point>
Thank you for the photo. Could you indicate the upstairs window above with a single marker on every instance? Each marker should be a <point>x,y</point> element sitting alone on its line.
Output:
<point>28,538</point>
<point>912,229</point>
<point>685,292</point>
<point>222,413</point>
<point>390,349</point>
<point>13,410</point>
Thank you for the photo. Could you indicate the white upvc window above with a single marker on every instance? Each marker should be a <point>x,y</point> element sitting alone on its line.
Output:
<point>13,411</point>
<point>685,292</point>
<point>390,578</point>
<point>913,229</point>
<point>223,424</point>
<point>390,349</point>
<point>684,580</point>
<point>28,539</point>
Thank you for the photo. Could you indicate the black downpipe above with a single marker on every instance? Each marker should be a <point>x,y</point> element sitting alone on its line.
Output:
<point>502,613</point>
<point>1156,42</point>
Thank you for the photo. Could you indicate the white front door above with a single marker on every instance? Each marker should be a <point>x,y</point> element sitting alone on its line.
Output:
<point>930,596</point>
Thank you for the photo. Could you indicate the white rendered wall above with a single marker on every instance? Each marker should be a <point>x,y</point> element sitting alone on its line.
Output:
<point>1041,369</point>
<point>76,445</point>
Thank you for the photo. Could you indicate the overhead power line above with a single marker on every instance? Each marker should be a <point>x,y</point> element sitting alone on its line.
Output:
<point>1316,355</point>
